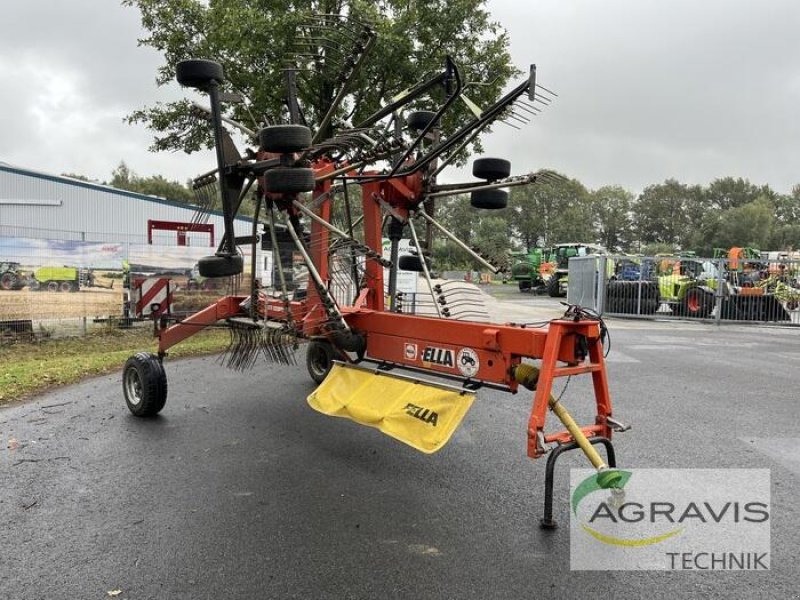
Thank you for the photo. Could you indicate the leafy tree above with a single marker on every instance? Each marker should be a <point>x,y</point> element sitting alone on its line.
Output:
<point>78,177</point>
<point>254,39</point>
<point>552,211</point>
<point>124,178</point>
<point>611,210</point>
<point>727,193</point>
<point>660,213</point>
<point>746,225</point>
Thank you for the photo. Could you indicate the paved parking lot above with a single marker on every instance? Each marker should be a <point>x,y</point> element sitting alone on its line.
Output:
<point>240,490</point>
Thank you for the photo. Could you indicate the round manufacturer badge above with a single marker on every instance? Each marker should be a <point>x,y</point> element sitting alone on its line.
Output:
<point>468,362</point>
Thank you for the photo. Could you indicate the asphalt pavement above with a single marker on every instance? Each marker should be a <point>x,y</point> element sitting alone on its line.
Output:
<point>240,490</point>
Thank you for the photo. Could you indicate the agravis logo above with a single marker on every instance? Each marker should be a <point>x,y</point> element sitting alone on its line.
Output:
<point>689,519</point>
<point>606,508</point>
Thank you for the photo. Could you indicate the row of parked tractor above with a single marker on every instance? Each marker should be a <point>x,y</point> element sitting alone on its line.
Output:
<point>51,279</point>
<point>736,283</point>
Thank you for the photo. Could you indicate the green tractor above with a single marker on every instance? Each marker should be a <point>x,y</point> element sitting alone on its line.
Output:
<point>526,270</point>
<point>689,288</point>
<point>558,257</point>
<point>11,277</point>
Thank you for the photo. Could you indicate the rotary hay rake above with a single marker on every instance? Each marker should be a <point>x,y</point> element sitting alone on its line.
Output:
<point>333,195</point>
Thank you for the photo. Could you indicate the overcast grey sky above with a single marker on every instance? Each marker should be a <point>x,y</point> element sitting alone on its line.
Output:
<point>648,89</point>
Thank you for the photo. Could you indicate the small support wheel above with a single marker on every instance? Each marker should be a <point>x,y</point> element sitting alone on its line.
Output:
<point>419,119</point>
<point>198,73</point>
<point>287,180</point>
<point>411,262</point>
<point>491,168</point>
<point>144,384</point>
<point>220,265</point>
<point>492,199</point>
<point>319,360</point>
<point>284,139</point>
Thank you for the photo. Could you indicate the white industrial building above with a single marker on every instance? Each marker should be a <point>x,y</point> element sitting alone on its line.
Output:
<point>44,206</point>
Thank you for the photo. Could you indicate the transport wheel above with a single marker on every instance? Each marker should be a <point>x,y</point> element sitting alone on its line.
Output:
<point>419,119</point>
<point>524,286</point>
<point>319,360</point>
<point>698,303</point>
<point>489,199</point>
<point>52,286</point>
<point>220,266</point>
<point>491,168</point>
<point>286,180</point>
<point>411,262</point>
<point>284,139</point>
<point>144,384</point>
<point>198,73</point>
<point>66,286</point>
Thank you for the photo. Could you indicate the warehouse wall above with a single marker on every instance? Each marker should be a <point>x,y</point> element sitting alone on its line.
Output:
<point>38,205</point>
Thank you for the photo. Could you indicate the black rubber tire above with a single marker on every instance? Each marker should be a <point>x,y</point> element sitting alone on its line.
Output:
<point>198,72</point>
<point>411,262</point>
<point>220,266</point>
<point>525,285</point>
<point>489,199</point>
<point>319,360</point>
<point>491,168</point>
<point>284,139</point>
<point>51,286</point>
<point>144,384</point>
<point>287,180</point>
<point>7,281</point>
<point>553,287</point>
<point>698,303</point>
<point>419,119</point>
<point>68,286</point>
<point>650,306</point>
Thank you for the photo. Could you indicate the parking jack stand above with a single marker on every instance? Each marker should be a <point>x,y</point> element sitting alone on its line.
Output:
<point>547,521</point>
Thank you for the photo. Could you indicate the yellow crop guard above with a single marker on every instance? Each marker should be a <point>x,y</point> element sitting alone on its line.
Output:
<point>422,415</point>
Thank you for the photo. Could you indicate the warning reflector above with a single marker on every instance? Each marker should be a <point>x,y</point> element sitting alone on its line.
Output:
<point>422,415</point>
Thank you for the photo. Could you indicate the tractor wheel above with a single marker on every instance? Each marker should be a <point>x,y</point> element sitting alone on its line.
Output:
<point>51,286</point>
<point>67,286</point>
<point>698,303</point>
<point>286,180</point>
<point>419,119</point>
<point>319,360</point>
<point>489,199</point>
<point>220,266</point>
<point>411,262</point>
<point>650,306</point>
<point>198,73</point>
<point>284,139</point>
<point>491,168</point>
<point>553,287</point>
<point>7,281</point>
<point>525,285</point>
<point>144,384</point>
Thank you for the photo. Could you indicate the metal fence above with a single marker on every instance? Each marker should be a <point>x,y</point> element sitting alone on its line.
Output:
<point>681,287</point>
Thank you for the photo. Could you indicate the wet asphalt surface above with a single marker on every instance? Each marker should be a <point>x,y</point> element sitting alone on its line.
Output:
<point>240,490</point>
